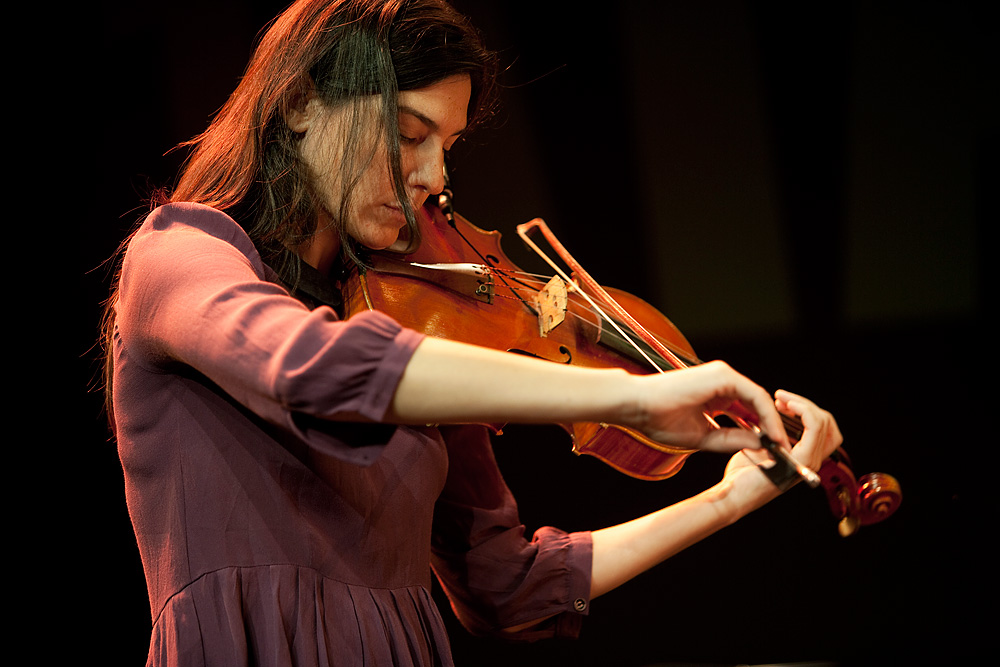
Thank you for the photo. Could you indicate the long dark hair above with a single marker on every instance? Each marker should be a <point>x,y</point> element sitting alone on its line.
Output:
<point>345,51</point>
<point>246,162</point>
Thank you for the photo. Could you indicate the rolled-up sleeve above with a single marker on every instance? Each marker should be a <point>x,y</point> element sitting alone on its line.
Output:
<point>495,577</point>
<point>193,294</point>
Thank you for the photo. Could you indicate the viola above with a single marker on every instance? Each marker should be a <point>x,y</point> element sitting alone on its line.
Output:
<point>460,285</point>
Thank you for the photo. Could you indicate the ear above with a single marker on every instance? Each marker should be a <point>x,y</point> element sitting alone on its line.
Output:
<point>303,111</point>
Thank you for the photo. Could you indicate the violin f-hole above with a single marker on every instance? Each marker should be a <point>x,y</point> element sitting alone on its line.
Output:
<point>565,351</point>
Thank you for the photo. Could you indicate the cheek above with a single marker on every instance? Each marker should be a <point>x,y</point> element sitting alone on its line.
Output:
<point>376,187</point>
<point>310,154</point>
<point>318,156</point>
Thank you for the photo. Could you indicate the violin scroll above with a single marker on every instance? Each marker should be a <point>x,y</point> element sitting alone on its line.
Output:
<point>858,502</point>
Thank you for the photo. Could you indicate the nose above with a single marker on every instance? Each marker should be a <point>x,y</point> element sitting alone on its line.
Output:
<point>427,174</point>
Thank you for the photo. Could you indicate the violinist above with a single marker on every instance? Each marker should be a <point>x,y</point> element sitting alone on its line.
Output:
<point>293,478</point>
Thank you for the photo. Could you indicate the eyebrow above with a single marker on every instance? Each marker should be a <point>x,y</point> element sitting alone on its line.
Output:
<point>426,120</point>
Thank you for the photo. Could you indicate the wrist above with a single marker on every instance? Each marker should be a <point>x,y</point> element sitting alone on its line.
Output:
<point>629,409</point>
<point>740,492</point>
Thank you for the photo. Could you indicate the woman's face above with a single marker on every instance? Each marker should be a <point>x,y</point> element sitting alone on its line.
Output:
<point>430,122</point>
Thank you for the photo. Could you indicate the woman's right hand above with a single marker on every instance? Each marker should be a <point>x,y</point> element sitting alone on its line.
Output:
<point>671,408</point>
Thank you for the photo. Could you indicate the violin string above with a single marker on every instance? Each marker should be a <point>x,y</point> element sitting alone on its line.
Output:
<point>500,273</point>
<point>793,425</point>
<point>540,278</point>
<point>609,332</point>
<point>488,265</point>
<point>628,321</point>
<point>503,274</point>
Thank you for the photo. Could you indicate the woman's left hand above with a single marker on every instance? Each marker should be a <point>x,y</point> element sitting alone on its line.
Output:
<point>622,551</point>
<point>820,437</point>
<point>749,489</point>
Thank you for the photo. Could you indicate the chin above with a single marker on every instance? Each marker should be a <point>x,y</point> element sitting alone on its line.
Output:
<point>380,233</point>
<point>389,240</point>
<point>399,245</point>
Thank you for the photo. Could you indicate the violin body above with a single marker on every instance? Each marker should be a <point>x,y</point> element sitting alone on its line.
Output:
<point>495,309</point>
<point>460,285</point>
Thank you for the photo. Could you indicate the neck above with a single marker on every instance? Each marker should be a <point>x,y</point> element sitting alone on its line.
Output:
<point>322,249</point>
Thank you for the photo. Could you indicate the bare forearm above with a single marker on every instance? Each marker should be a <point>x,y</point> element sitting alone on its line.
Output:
<point>452,382</point>
<point>448,382</point>
<point>624,551</point>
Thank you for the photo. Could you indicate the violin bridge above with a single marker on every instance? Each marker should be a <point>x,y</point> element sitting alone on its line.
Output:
<point>551,302</point>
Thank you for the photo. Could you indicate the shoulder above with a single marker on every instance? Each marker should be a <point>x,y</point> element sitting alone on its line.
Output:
<point>186,227</point>
<point>182,217</point>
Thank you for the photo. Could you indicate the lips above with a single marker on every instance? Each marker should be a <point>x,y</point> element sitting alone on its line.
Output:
<point>396,208</point>
<point>396,215</point>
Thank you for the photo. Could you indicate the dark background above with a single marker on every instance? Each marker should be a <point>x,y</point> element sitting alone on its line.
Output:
<point>803,189</point>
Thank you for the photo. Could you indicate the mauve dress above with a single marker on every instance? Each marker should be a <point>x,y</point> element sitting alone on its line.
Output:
<point>273,535</point>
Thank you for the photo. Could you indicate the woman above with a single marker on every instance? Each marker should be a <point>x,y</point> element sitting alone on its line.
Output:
<point>286,481</point>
